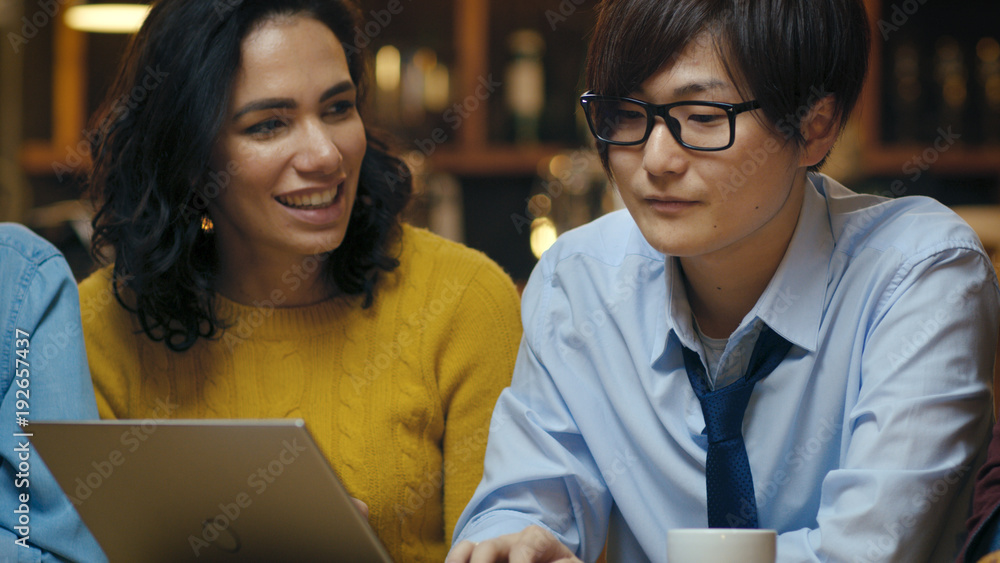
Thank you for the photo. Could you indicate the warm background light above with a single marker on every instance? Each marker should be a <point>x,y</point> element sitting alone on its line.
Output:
<point>107,18</point>
<point>543,235</point>
<point>387,68</point>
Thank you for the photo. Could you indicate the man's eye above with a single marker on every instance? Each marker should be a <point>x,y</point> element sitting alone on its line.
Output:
<point>625,111</point>
<point>631,114</point>
<point>705,118</point>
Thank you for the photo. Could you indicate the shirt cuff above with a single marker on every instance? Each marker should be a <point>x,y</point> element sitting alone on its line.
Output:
<point>495,524</point>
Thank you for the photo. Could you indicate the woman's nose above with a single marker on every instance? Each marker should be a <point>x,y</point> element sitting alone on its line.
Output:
<point>318,151</point>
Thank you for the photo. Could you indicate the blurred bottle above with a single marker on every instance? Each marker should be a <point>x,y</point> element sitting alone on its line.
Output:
<point>388,71</point>
<point>952,78</point>
<point>988,58</point>
<point>906,94</point>
<point>444,206</point>
<point>525,84</point>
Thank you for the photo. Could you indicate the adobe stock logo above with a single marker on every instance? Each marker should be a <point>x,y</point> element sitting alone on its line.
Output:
<point>47,11</point>
<point>899,16</point>
<point>131,439</point>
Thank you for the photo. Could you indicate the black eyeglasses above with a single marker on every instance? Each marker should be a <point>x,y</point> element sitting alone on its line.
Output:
<point>701,126</point>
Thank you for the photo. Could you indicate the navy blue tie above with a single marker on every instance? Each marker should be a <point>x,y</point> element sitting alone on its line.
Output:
<point>728,481</point>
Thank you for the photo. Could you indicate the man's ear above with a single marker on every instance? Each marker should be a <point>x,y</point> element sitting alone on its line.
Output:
<point>820,129</point>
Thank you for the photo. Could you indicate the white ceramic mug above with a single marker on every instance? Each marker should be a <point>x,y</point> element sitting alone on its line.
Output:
<point>721,545</point>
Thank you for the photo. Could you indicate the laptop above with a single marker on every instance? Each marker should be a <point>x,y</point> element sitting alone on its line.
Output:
<point>205,490</point>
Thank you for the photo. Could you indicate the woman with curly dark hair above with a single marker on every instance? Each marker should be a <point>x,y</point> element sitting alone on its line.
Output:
<point>259,267</point>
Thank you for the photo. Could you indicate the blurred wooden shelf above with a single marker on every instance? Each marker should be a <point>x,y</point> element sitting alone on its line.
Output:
<point>495,160</point>
<point>41,158</point>
<point>470,153</point>
<point>904,159</point>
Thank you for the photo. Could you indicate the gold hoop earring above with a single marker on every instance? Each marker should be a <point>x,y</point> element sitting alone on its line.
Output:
<point>207,226</point>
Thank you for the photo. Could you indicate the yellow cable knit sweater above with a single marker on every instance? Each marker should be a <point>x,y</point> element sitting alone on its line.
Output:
<point>398,396</point>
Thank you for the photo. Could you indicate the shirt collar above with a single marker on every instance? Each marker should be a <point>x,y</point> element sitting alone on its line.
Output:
<point>679,316</point>
<point>792,303</point>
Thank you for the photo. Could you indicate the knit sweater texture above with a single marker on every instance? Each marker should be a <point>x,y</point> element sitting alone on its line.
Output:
<point>397,396</point>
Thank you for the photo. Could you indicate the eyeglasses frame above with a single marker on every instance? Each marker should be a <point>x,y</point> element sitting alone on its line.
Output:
<point>654,110</point>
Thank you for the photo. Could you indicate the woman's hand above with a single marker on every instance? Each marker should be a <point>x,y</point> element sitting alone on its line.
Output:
<point>531,545</point>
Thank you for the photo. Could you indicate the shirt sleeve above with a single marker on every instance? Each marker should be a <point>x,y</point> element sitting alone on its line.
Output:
<point>919,423</point>
<point>58,388</point>
<point>538,470</point>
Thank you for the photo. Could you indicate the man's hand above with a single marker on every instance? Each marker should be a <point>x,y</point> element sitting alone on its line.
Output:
<point>530,545</point>
<point>361,506</point>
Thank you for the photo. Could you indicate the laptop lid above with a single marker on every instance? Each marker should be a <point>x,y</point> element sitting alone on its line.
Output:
<point>205,490</point>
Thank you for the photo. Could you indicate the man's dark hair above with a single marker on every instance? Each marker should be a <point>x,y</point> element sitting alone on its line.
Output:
<point>786,54</point>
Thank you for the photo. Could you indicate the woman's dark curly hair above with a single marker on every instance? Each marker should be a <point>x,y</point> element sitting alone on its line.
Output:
<point>151,147</point>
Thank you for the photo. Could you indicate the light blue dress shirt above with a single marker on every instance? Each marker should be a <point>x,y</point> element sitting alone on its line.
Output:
<point>38,296</point>
<point>862,442</point>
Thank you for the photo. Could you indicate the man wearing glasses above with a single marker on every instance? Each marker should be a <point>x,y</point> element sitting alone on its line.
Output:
<point>751,344</point>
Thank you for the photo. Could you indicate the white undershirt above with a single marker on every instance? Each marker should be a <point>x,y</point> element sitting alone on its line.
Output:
<point>725,368</point>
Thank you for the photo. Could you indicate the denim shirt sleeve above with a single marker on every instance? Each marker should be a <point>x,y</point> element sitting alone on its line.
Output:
<point>40,313</point>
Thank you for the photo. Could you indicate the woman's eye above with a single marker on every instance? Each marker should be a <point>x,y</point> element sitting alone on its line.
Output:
<point>265,129</point>
<point>341,108</point>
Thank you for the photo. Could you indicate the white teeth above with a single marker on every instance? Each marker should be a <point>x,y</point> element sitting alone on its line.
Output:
<point>315,200</point>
